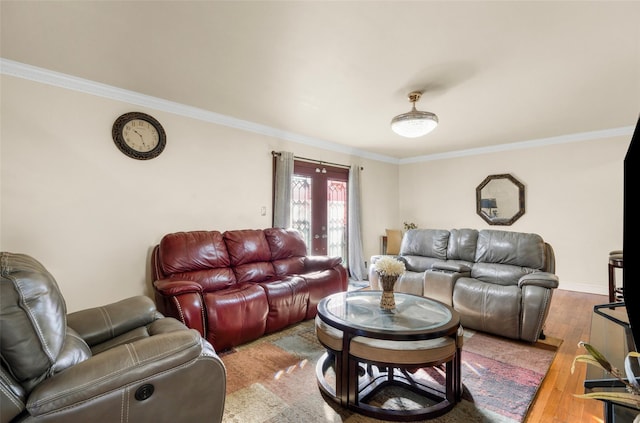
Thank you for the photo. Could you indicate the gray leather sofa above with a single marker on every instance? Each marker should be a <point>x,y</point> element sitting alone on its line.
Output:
<point>500,282</point>
<point>122,362</point>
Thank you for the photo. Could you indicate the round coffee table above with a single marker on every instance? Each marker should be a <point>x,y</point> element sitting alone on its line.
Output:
<point>371,349</point>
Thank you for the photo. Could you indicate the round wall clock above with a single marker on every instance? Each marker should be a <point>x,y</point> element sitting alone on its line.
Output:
<point>139,135</point>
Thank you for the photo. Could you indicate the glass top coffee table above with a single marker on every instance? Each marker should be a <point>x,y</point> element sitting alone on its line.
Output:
<point>371,349</point>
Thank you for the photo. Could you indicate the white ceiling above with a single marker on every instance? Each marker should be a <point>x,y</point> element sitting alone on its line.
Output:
<point>336,71</point>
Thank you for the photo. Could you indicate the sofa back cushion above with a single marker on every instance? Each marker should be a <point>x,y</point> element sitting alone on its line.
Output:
<point>425,242</point>
<point>514,248</point>
<point>288,250</point>
<point>34,339</point>
<point>199,256</point>
<point>549,259</point>
<point>462,244</point>
<point>249,254</point>
<point>285,243</point>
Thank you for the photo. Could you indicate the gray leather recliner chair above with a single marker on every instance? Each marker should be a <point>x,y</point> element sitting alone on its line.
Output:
<point>123,362</point>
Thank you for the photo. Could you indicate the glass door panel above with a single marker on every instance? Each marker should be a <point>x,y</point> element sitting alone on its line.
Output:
<point>319,207</point>
<point>301,206</point>
<point>337,219</point>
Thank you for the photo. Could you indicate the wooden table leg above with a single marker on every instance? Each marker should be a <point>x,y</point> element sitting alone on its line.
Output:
<point>345,372</point>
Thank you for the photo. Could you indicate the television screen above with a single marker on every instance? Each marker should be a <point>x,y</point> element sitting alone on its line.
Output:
<point>630,276</point>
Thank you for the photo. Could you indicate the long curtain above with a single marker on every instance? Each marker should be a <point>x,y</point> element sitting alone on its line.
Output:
<point>282,196</point>
<point>357,269</point>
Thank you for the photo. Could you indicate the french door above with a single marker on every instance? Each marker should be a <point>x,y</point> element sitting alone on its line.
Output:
<point>319,207</point>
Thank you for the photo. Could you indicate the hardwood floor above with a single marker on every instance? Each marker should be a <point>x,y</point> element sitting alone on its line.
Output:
<point>570,320</point>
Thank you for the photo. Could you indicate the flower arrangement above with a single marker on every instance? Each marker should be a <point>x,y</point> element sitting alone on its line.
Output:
<point>410,225</point>
<point>389,266</point>
<point>630,398</point>
<point>389,269</point>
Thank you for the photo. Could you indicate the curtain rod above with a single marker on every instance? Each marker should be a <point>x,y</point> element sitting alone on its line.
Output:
<point>277,153</point>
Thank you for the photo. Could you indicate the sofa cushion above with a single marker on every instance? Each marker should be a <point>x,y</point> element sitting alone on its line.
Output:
<point>285,243</point>
<point>288,299</point>
<point>199,256</point>
<point>250,255</point>
<point>184,252</point>
<point>247,246</point>
<point>462,244</point>
<point>288,250</point>
<point>515,248</point>
<point>254,272</point>
<point>236,315</point>
<point>289,266</point>
<point>410,282</point>
<point>425,242</point>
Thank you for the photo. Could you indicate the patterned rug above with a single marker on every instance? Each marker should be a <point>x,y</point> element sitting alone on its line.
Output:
<point>272,380</point>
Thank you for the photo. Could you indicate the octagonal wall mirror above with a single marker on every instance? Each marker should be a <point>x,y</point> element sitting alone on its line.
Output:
<point>500,199</point>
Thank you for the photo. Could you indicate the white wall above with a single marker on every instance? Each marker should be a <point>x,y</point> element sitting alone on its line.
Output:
<point>573,199</point>
<point>91,215</point>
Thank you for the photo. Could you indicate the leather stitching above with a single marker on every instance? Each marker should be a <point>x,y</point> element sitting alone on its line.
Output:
<point>107,321</point>
<point>179,308</point>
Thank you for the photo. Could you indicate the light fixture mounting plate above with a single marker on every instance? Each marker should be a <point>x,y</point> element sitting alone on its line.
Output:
<point>414,96</point>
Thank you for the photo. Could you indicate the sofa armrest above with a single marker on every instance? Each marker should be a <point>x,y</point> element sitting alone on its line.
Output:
<point>182,300</point>
<point>317,263</point>
<point>176,287</point>
<point>542,279</point>
<point>451,267</point>
<point>116,369</point>
<point>439,281</point>
<point>99,324</point>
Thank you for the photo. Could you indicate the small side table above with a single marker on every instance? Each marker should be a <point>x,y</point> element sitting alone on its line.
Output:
<point>615,262</point>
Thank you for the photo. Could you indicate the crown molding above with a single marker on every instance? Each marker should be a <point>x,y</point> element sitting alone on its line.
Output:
<point>522,145</point>
<point>49,77</point>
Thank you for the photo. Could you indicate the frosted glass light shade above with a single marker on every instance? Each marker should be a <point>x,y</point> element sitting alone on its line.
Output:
<point>414,123</point>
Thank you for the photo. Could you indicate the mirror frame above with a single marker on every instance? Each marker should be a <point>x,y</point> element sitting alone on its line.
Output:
<point>494,220</point>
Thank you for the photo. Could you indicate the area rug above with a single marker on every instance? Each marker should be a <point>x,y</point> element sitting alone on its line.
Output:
<point>272,380</point>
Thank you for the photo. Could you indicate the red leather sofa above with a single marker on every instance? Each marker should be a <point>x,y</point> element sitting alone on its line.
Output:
<point>236,286</point>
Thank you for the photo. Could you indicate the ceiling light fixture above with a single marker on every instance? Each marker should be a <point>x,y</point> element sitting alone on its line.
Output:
<point>414,123</point>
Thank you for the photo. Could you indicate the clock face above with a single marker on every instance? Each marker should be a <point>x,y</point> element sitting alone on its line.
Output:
<point>139,135</point>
